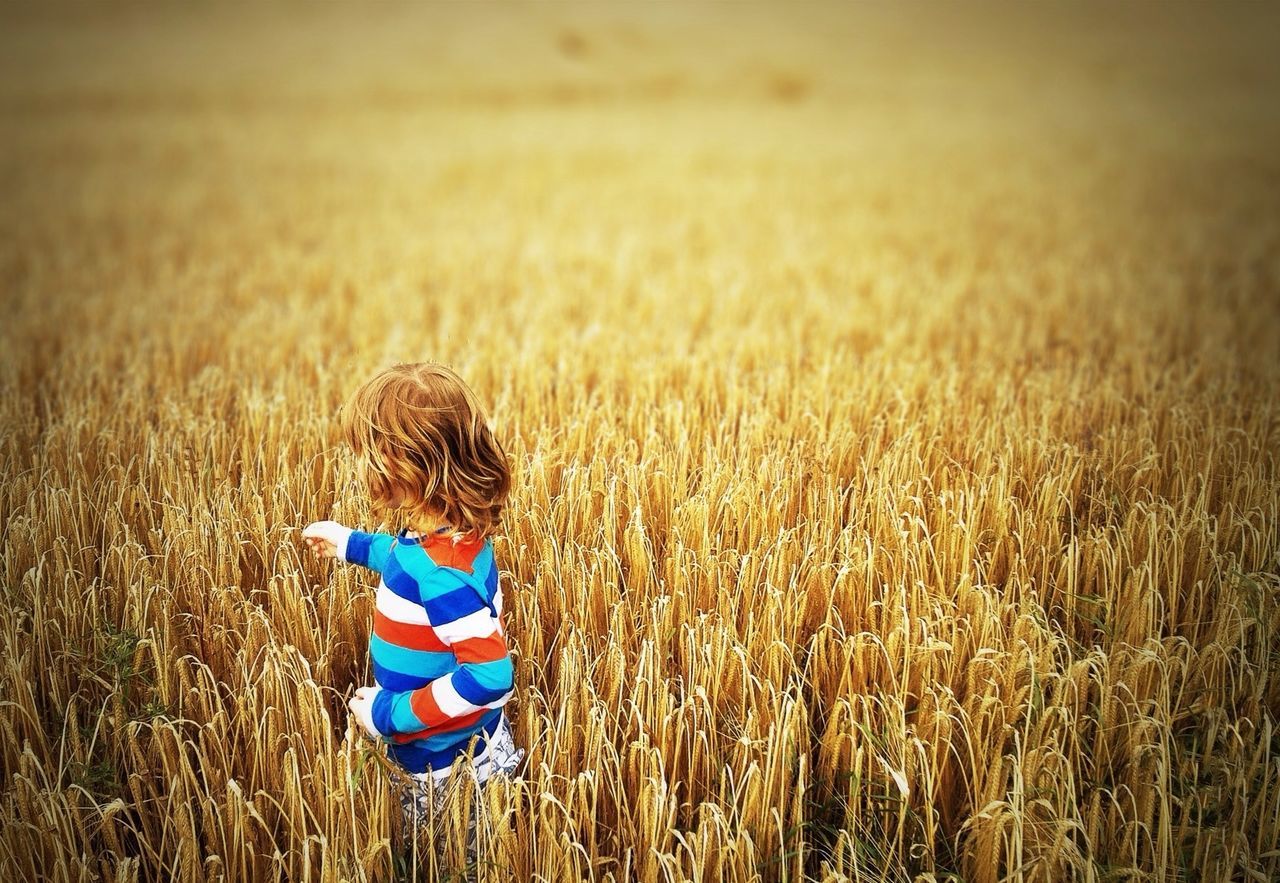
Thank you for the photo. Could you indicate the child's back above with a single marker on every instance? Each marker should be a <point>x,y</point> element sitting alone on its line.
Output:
<point>438,648</point>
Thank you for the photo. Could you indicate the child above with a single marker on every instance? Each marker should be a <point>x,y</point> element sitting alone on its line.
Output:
<point>438,647</point>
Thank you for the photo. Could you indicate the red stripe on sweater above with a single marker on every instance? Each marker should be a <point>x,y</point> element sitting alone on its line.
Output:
<point>423,703</point>
<point>489,649</point>
<point>456,723</point>
<point>411,636</point>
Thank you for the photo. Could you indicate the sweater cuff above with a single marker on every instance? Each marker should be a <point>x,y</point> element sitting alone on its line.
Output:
<point>342,540</point>
<point>380,712</point>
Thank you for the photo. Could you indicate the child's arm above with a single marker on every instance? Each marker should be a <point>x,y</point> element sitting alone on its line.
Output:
<point>333,540</point>
<point>484,677</point>
<point>368,549</point>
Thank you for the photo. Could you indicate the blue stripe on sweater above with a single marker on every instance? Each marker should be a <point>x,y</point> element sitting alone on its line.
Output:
<point>390,679</point>
<point>453,604</point>
<point>428,664</point>
<point>482,566</point>
<point>484,572</point>
<point>400,581</point>
<point>393,713</point>
<point>439,751</point>
<point>418,564</point>
<point>483,682</point>
<point>491,580</point>
<point>358,547</point>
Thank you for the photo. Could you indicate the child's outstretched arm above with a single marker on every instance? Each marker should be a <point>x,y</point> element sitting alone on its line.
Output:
<point>329,539</point>
<point>484,676</point>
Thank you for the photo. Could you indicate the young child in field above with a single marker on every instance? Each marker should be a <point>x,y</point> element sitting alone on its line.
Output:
<point>438,647</point>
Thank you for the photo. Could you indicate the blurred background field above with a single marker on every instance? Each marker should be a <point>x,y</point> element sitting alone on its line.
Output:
<point>893,393</point>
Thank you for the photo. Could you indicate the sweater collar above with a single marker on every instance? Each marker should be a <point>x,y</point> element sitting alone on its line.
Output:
<point>440,536</point>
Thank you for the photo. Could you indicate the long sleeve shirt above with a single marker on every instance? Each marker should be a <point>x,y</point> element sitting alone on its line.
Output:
<point>438,646</point>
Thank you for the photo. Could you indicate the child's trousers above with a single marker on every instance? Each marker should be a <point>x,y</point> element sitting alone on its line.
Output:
<point>427,792</point>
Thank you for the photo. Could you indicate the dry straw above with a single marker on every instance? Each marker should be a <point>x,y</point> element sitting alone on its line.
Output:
<point>885,508</point>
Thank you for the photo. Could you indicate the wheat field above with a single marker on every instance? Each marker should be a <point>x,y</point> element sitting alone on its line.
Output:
<point>893,395</point>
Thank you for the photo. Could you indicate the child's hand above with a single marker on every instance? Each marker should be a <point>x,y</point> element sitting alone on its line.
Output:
<point>327,539</point>
<point>361,706</point>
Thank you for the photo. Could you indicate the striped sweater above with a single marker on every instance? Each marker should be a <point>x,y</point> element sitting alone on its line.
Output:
<point>438,647</point>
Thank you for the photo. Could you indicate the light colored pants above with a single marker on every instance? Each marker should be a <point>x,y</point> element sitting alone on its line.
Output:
<point>428,791</point>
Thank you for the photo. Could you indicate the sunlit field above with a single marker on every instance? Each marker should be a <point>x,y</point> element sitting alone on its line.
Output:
<point>893,396</point>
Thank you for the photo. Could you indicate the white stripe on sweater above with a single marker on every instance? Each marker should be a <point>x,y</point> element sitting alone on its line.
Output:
<point>393,607</point>
<point>479,624</point>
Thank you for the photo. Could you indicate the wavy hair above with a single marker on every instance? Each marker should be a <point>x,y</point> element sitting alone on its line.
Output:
<point>426,448</point>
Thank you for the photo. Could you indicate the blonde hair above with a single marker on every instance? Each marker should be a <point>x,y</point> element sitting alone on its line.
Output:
<point>427,449</point>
